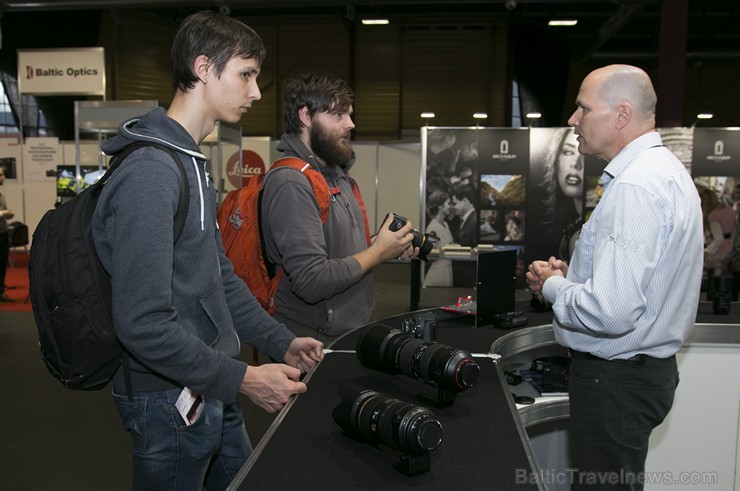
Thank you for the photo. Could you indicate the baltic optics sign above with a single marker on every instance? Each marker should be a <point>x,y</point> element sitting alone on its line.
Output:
<point>72,71</point>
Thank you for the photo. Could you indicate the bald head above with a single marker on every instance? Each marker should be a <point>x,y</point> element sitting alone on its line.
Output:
<point>615,105</point>
<point>627,84</point>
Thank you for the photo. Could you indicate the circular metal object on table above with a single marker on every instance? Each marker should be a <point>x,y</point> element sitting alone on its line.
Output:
<point>519,348</point>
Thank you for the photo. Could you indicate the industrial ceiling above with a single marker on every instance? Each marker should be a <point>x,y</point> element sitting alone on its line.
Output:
<point>606,29</point>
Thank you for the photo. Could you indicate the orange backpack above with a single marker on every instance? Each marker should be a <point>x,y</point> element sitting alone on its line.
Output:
<point>239,223</point>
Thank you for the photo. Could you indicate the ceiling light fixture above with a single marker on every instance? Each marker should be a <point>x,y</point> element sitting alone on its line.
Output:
<point>427,115</point>
<point>562,22</point>
<point>534,115</point>
<point>375,22</point>
<point>704,116</point>
<point>480,115</point>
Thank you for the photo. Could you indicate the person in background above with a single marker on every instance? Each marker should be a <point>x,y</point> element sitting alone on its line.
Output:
<point>179,310</point>
<point>5,215</point>
<point>439,207</point>
<point>328,286</point>
<point>735,257</point>
<point>628,299</point>
<point>719,225</point>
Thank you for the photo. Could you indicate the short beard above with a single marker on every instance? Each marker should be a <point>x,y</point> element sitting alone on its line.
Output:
<point>327,147</point>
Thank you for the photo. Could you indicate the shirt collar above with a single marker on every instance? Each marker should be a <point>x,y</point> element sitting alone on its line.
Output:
<point>628,154</point>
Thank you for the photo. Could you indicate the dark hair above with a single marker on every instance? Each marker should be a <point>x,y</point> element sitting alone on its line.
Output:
<point>461,192</point>
<point>319,92</point>
<point>435,201</point>
<point>215,35</point>
<point>517,221</point>
<point>559,210</point>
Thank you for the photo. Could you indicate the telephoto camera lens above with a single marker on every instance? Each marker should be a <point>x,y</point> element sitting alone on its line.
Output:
<point>369,415</point>
<point>393,351</point>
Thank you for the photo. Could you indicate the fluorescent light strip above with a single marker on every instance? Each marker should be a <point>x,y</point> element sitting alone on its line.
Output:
<point>375,22</point>
<point>427,115</point>
<point>705,116</point>
<point>534,115</point>
<point>563,22</point>
<point>480,115</point>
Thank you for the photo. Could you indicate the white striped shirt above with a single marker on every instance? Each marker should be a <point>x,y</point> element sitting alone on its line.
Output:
<point>634,279</point>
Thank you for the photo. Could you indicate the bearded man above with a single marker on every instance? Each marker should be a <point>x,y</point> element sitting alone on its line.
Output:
<point>327,288</point>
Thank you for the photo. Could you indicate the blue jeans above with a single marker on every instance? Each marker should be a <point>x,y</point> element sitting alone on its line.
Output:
<point>168,455</point>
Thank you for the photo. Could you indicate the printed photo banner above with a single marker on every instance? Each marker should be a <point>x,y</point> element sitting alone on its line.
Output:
<point>529,189</point>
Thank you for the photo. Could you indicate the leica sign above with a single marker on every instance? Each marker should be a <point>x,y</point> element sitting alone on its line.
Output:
<point>252,165</point>
<point>73,71</point>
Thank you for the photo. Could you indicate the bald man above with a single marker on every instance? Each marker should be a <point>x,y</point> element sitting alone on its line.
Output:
<point>628,299</point>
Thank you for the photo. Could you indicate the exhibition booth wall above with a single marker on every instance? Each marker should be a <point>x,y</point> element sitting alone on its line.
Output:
<point>387,174</point>
<point>531,190</point>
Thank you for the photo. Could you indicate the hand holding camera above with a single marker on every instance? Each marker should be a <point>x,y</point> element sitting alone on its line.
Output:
<point>422,242</point>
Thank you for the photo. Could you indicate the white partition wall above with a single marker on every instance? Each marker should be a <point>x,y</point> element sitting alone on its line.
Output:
<point>364,172</point>
<point>12,189</point>
<point>399,178</point>
<point>389,178</point>
<point>696,447</point>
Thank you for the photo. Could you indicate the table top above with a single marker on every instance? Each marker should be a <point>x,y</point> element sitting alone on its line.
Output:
<point>483,446</point>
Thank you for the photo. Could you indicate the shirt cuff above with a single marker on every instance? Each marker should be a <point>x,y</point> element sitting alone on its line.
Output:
<point>551,287</point>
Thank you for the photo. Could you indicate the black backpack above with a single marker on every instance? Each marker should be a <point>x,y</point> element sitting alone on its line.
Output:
<point>71,292</point>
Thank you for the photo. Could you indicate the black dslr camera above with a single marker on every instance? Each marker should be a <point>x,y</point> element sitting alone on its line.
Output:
<point>423,241</point>
<point>421,326</point>
<point>509,320</point>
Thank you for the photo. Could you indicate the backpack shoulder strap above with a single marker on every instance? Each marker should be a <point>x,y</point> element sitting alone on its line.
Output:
<point>315,178</point>
<point>184,200</point>
<point>320,190</point>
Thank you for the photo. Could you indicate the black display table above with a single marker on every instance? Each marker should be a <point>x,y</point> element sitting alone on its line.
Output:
<point>484,443</point>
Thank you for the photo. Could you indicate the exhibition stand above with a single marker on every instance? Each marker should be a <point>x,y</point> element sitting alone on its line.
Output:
<point>487,438</point>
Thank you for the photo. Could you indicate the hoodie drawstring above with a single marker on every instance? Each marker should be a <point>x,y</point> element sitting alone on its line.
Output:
<point>200,192</point>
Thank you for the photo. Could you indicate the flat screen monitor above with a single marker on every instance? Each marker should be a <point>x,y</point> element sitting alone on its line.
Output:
<point>8,165</point>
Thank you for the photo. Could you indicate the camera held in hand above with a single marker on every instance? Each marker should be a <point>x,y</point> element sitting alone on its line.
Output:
<point>423,241</point>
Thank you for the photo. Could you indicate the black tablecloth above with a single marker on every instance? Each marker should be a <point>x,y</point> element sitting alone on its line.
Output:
<point>482,447</point>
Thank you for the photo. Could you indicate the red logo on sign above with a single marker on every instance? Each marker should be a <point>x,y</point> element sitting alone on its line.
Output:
<point>252,165</point>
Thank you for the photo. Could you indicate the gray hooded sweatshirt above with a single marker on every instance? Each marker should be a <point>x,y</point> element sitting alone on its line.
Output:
<point>324,288</point>
<point>179,309</point>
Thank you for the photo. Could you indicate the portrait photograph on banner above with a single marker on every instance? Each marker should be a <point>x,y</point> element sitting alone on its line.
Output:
<point>557,197</point>
<point>531,190</point>
<point>451,196</point>
<point>475,193</point>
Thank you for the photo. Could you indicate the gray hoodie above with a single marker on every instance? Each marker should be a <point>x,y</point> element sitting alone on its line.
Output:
<point>324,288</point>
<point>178,308</point>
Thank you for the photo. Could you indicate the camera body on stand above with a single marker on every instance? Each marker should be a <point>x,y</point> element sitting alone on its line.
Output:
<point>422,326</point>
<point>509,320</point>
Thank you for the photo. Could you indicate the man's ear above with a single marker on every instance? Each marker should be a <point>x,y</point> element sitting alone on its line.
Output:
<point>624,115</point>
<point>201,66</point>
<point>304,116</point>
